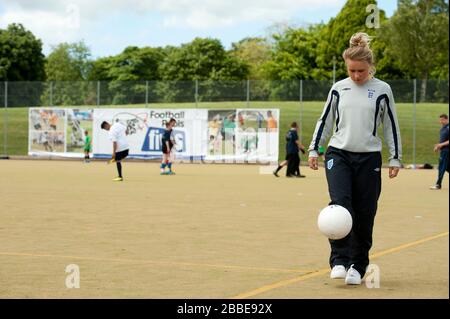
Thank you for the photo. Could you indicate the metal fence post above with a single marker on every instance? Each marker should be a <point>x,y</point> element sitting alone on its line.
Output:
<point>248,93</point>
<point>301,111</point>
<point>5,122</point>
<point>196,93</point>
<point>414,122</point>
<point>334,69</point>
<point>146,94</point>
<point>98,93</point>
<point>51,93</point>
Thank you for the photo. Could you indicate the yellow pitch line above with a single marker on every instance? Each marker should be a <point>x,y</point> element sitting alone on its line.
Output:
<point>401,247</point>
<point>280,284</point>
<point>317,273</point>
<point>156,262</point>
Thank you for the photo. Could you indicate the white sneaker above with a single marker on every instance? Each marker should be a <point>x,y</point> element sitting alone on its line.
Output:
<point>353,277</point>
<point>338,272</point>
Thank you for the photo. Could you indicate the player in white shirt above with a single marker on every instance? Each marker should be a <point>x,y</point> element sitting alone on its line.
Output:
<point>117,134</point>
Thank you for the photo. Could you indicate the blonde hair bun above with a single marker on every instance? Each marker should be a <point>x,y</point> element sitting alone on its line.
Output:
<point>359,50</point>
<point>360,39</point>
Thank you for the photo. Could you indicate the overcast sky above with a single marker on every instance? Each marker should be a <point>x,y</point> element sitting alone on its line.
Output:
<point>108,26</point>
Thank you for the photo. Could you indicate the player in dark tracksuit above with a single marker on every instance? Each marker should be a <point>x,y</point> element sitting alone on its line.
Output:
<point>167,145</point>
<point>293,146</point>
<point>355,108</point>
<point>443,148</point>
<point>292,159</point>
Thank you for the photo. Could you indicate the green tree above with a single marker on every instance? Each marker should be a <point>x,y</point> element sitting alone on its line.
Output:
<point>100,69</point>
<point>294,57</point>
<point>334,38</point>
<point>256,52</point>
<point>418,37</point>
<point>294,54</point>
<point>205,60</point>
<point>21,60</point>
<point>21,57</point>
<point>69,62</point>
<point>202,59</point>
<point>67,69</point>
<point>387,66</point>
<point>135,64</point>
<point>127,74</point>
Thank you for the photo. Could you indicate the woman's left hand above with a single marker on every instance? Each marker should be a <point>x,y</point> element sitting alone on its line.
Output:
<point>393,172</point>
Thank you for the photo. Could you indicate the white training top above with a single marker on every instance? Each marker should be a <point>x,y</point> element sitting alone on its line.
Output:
<point>117,133</point>
<point>352,116</point>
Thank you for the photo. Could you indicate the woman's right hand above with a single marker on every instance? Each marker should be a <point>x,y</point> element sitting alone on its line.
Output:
<point>313,163</point>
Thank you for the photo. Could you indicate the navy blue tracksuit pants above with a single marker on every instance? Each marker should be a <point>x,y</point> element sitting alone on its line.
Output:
<point>354,182</point>
<point>443,166</point>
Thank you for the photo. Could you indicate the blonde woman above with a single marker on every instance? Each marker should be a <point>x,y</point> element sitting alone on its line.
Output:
<point>355,108</point>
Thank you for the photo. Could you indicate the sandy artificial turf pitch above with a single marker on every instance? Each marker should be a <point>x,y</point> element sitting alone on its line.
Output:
<point>211,231</point>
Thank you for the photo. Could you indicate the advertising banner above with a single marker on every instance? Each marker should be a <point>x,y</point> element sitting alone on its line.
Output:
<point>219,135</point>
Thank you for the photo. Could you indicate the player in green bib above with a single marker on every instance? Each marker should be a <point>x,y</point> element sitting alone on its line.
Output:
<point>87,146</point>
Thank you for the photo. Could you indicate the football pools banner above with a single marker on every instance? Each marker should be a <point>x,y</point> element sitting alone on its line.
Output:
<point>145,129</point>
<point>228,135</point>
